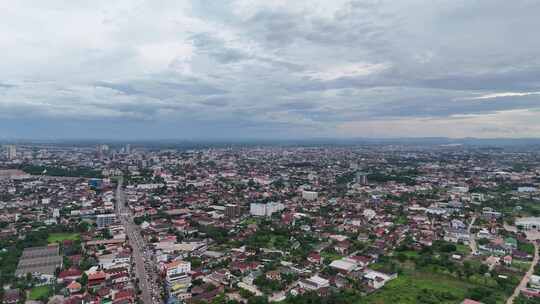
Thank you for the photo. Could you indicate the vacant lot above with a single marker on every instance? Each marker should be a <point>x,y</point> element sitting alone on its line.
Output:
<point>39,292</point>
<point>59,237</point>
<point>422,287</point>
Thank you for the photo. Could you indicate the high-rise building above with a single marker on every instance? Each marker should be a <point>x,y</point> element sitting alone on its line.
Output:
<point>361,178</point>
<point>232,210</point>
<point>11,152</point>
<point>102,150</point>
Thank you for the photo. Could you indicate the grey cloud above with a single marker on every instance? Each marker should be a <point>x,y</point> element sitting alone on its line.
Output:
<point>215,102</point>
<point>123,88</point>
<point>6,86</point>
<point>210,65</point>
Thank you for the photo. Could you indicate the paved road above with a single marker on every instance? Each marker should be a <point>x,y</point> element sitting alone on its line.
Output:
<point>147,284</point>
<point>526,277</point>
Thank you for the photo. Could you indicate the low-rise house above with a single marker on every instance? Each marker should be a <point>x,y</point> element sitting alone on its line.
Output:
<point>377,279</point>
<point>69,275</point>
<point>12,296</point>
<point>74,287</point>
<point>344,265</point>
<point>314,283</point>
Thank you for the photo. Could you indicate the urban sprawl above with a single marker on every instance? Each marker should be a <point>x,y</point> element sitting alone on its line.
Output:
<point>376,223</point>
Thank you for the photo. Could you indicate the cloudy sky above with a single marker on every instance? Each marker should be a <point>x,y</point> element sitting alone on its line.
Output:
<point>269,69</point>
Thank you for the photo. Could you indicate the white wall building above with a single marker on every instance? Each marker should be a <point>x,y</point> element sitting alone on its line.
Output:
<point>104,220</point>
<point>309,195</point>
<point>11,152</point>
<point>528,223</point>
<point>257,209</point>
<point>314,283</point>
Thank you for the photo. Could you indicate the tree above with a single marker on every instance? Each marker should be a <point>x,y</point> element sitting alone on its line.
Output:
<point>257,300</point>
<point>84,279</point>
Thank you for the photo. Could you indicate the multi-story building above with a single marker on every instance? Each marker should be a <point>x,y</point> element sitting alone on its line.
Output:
<point>528,223</point>
<point>11,152</point>
<point>177,278</point>
<point>268,209</point>
<point>232,210</point>
<point>309,195</point>
<point>361,178</point>
<point>104,220</point>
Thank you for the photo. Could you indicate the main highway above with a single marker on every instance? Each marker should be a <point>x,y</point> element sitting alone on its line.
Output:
<point>144,269</point>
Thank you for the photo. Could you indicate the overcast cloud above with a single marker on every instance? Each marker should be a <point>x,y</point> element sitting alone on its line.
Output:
<point>269,69</point>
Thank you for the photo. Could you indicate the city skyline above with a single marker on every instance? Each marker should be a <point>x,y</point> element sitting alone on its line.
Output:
<point>269,70</point>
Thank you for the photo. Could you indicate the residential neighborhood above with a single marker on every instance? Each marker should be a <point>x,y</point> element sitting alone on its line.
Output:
<point>292,224</point>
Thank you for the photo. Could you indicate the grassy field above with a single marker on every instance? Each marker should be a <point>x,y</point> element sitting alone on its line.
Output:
<point>409,286</point>
<point>463,249</point>
<point>59,237</point>
<point>406,288</point>
<point>521,265</point>
<point>39,292</point>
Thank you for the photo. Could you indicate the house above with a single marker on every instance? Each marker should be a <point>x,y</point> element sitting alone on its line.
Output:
<point>531,293</point>
<point>493,261</point>
<point>521,255</point>
<point>377,279</point>
<point>125,294</point>
<point>469,301</point>
<point>457,236</point>
<point>344,265</point>
<point>315,258</point>
<point>12,296</point>
<point>96,278</point>
<point>273,275</point>
<point>314,283</point>
<point>74,287</point>
<point>342,247</point>
<point>69,275</point>
<point>495,249</point>
<point>361,260</point>
<point>534,281</point>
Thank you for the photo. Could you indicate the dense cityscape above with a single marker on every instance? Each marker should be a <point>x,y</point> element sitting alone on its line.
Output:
<point>270,151</point>
<point>373,223</point>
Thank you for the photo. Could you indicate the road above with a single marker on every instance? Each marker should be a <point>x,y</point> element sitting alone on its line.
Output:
<point>472,241</point>
<point>526,277</point>
<point>143,269</point>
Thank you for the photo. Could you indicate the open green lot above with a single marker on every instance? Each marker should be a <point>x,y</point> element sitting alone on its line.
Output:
<point>59,237</point>
<point>329,256</point>
<point>463,249</point>
<point>412,287</point>
<point>406,289</point>
<point>39,292</point>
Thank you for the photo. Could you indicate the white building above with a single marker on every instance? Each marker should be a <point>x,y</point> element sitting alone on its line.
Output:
<point>268,209</point>
<point>104,220</point>
<point>527,189</point>
<point>528,223</point>
<point>378,279</point>
<point>309,195</point>
<point>11,152</point>
<point>314,283</point>
<point>344,264</point>
<point>369,214</point>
